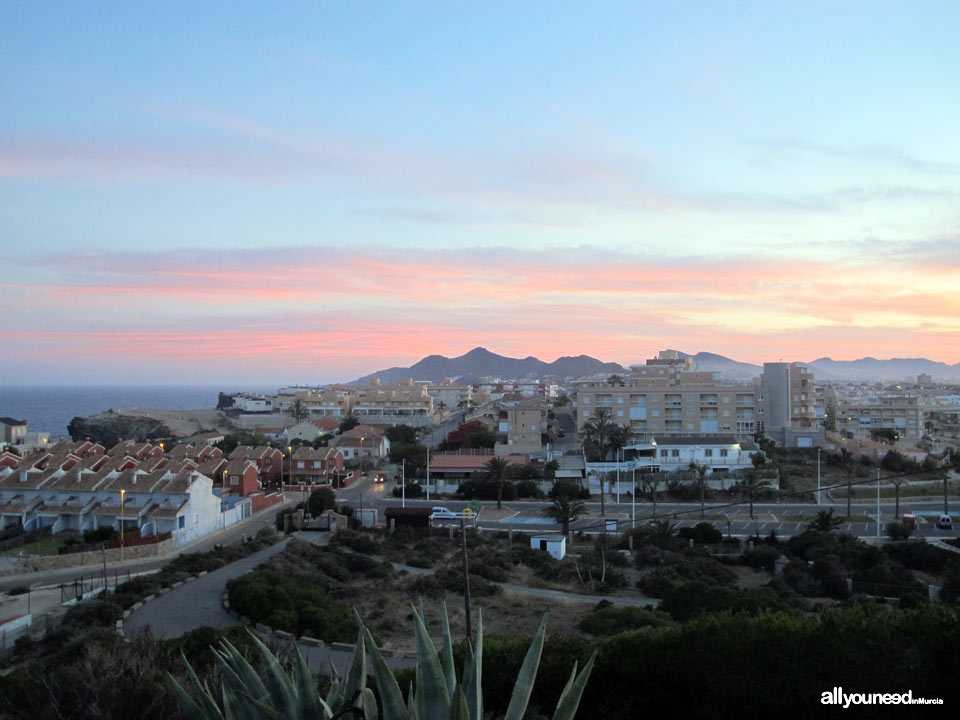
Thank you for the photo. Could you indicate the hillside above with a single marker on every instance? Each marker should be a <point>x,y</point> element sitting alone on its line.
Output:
<point>480,362</point>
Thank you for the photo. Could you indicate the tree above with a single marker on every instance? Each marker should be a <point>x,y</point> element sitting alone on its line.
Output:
<point>600,426</point>
<point>620,436</point>
<point>616,380</point>
<point>887,435</point>
<point>497,474</point>
<point>481,439</point>
<point>701,470</point>
<point>298,410</point>
<point>565,505</point>
<point>848,467</point>
<point>897,481</point>
<point>349,422</point>
<point>824,521</point>
<point>754,483</point>
<point>401,434</point>
<point>321,500</point>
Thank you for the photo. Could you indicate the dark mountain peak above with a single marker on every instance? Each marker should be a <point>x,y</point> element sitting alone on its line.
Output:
<point>477,352</point>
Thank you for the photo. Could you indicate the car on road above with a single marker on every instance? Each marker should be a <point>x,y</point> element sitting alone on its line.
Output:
<point>379,477</point>
<point>442,512</point>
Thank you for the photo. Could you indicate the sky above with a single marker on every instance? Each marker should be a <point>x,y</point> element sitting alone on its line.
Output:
<point>308,192</point>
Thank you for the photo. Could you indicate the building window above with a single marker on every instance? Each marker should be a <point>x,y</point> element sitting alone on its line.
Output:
<point>724,452</point>
<point>234,480</point>
<point>300,465</point>
<point>708,452</point>
<point>674,453</point>
<point>664,453</point>
<point>181,522</point>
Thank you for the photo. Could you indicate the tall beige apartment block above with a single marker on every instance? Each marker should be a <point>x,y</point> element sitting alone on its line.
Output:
<point>667,397</point>
<point>901,413</point>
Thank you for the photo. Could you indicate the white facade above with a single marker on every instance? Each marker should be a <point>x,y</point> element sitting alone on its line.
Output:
<point>555,545</point>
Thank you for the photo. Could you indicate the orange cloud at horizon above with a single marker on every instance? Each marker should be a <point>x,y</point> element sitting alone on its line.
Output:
<point>356,312</point>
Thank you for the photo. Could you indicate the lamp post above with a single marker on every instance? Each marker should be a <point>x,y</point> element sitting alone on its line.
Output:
<point>122,493</point>
<point>818,476</point>
<point>289,466</point>
<point>633,498</point>
<point>361,458</point>
<point>403,482</point>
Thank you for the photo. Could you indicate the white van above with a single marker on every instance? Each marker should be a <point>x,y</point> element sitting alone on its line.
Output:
<point>945,522</point>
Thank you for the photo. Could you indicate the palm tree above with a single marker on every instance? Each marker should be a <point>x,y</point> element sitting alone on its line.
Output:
<point>754,482</point>
<point>497,473</point>
<point>601,426</point>
<point>619,436</point>
<point>701,470</point>
<point>824,521</point>
<point>298,410</point>
<point>565,506</point>
<point>615,380</point>
<point>846,464</point>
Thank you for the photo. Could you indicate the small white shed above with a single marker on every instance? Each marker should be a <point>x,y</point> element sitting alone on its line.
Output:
<point>554,544</point>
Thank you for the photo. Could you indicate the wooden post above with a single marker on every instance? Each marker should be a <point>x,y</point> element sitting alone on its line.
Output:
<point>466,576</point>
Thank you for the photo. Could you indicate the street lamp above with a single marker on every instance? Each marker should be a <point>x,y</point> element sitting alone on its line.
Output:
<point>403,482</point>
<point>289,466</point>
<point>361,458</point>
<point>122,493</point>
<point>818,476</point>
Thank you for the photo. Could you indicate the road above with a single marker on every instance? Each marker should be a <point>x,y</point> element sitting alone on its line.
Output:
<point>784,518</point>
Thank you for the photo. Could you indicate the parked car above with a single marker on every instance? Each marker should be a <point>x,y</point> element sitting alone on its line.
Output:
<point>945,522</point>
<point>442,512</point>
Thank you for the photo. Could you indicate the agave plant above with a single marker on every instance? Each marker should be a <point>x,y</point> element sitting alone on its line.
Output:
<point>436,694</point>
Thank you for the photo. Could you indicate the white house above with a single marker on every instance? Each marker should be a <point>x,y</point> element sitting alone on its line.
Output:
<point>555,544</point>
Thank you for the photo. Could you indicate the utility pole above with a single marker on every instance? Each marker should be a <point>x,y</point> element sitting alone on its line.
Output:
<point>466,574</point>
<point>878,502</point>
<point>403,482</point>
<point>818,476</point>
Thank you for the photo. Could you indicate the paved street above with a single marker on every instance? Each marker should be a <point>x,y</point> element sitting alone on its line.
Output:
<point>195,603</point>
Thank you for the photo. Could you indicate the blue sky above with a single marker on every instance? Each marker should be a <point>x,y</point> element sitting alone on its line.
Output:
<point>285,181</point>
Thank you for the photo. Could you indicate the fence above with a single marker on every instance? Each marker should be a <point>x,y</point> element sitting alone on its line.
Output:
<point>85,586</point>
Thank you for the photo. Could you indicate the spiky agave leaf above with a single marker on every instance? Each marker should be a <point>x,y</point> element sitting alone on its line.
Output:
<point>279,687</point>
<point>311,704</point>
<point>572,692</point>
<point>356,679</point>
<point>449,670</point>
<point>473,674</point>
<point>458,706</point>
<point>368,703</point>
<point>432,699</point>
<point>527,676</point>
<point>390,694</point>
<point>206,708</point>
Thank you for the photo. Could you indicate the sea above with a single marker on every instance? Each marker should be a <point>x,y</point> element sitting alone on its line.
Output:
<point>50,409</point>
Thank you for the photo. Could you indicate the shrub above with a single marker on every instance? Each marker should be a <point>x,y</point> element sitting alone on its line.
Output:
<point>528,489</point>
<point>101,534</point>
<point>612,620</point>
<point>702,533</point>
<point>413,490</point>
<point>93,613</point>
<point>898,531</point>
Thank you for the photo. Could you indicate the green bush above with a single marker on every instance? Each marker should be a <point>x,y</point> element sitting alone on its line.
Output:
<point>611,620</point>
<point>101,534</point>
<point>287,603</point>
<point>93,613</point>
<point>898,531</point>
<point>702,533</point>
<point>689,600</point>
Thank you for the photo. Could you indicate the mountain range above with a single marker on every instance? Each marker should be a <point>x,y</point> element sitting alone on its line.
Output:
<point>480,362</point>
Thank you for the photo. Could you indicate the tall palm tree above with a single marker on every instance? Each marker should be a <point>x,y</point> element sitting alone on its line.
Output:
<point>601,426</point>
<point>701,479</point>
<point>565,505</point>
<point>619,436</point>
<point>754,484</point>
<point>497,473</point>
<point>848,467</point>
<point>298,410</point>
